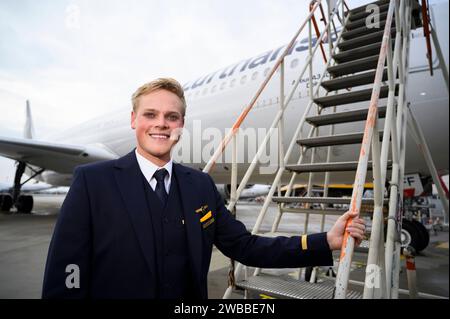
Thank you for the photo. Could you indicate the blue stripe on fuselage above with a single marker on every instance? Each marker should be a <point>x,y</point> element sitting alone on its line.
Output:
<point>249,64</point>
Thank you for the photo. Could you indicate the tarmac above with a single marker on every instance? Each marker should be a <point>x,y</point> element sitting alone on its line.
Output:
<point>25,238</point>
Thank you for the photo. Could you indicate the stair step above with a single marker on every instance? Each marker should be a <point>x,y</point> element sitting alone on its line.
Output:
<point>363,8</point>
<point>363,14</point>
<point>355,66</point>
<point>352,81</point>
<point>359,53</point>
<point>321,200</point>
<point>351,25</point>
<point>343,117</point>
<point>351,97</point>
<point>328,167</point>
<point>328,211</point>
<point>338,139</point>
<point>416,21</point>
<point>357,32</point>
<point>363,40</point>
<point>292,288</point>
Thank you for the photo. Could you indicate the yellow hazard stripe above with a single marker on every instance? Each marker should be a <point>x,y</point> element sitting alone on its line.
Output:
<point>207,216</point>
<point>304,242</point>
<point>443,245</point>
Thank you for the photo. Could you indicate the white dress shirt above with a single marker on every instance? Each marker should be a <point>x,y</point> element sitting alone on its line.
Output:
<point>148,169</point>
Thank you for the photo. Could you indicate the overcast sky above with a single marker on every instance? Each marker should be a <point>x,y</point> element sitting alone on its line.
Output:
<point>77,59</point>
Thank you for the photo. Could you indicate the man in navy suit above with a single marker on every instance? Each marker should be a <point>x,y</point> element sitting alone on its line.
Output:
<point>143,226</point>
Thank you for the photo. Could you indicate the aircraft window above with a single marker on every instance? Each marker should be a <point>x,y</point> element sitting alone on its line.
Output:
<point>254,75</point>
<point>222,86</point>
<point>233,82</point>
<point>266,71</point>
<point>213,89</point>
<point>243,79</point>
<point>294,63</point>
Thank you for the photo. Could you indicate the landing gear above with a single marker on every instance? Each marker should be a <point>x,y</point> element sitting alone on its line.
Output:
<point>414,234</point>
<point>6,202</point>
<point>424,236</point>
<point>23,203</point>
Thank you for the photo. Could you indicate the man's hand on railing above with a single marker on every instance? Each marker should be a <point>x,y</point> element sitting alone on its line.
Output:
<point>356,229</point>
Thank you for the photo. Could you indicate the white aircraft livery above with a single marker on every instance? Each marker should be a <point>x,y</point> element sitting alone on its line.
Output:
<point>215,101</point>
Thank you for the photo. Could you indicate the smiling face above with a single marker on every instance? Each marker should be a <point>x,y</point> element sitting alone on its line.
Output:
<point>158,121</point>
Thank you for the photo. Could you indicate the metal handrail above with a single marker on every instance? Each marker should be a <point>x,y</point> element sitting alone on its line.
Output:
<point>427,33</point>
<point>369,141</point>
<point>316,28</point>
<point>395,125</point>
<point>248,108</point>
<point>291,145</point>
<point>277,119</point>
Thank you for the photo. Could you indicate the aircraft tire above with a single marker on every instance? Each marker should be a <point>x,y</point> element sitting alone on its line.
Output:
<point>6,202</point>
<point>410,235</point>
<point>24,204</point>
<point>424,236</point>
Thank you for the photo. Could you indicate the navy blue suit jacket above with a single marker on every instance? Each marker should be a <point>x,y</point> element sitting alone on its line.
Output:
<point>105,229</point>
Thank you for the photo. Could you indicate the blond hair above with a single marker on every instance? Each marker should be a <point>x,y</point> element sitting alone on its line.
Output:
<point>167,84</point>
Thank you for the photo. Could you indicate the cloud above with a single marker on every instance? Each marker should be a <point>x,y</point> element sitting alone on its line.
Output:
<point>77,59</point>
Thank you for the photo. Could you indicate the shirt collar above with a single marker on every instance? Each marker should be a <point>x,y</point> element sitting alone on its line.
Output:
<point>148,168</point>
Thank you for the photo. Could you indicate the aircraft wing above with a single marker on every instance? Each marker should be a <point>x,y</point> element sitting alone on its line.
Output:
<point>57,157</point>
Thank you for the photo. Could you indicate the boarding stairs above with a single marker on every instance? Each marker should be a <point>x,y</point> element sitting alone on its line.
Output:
<point>368,72</point>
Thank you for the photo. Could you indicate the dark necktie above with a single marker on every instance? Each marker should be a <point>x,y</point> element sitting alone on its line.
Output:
<point>160,189</point>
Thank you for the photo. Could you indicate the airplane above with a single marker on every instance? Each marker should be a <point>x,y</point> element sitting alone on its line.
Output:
<point>36,187</point>
<point>249,191</point>
<point>215,100</point>
<point>6,200</point>
<point>54,190</point>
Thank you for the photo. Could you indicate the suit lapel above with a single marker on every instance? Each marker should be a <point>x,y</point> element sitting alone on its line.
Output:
<point>189,194</point>
<point>128,177</point>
